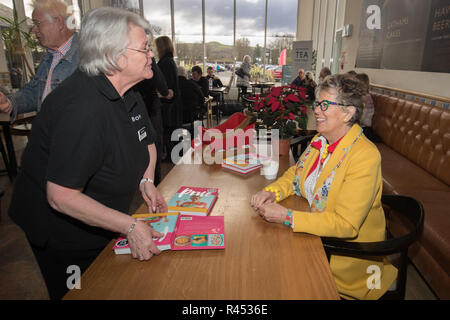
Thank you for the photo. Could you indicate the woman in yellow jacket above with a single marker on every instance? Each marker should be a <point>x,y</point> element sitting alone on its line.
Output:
<point>340,176</point>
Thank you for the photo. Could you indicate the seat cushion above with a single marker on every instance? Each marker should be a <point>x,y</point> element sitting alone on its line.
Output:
<point>398,171</point>
<point>401,176</point>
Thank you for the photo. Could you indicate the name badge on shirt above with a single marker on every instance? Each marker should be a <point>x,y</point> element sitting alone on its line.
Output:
<point>142,134</point>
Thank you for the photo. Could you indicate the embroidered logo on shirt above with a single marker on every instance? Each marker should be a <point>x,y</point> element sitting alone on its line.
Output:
<point>136,118</point>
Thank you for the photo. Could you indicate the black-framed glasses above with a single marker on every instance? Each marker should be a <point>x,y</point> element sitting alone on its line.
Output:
<point>325,104</point>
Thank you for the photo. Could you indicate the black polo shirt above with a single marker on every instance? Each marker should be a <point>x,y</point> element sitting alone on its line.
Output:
<point>85,136</point>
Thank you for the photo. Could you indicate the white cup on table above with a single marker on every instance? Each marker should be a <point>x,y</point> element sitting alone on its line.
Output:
<point>270,169</point>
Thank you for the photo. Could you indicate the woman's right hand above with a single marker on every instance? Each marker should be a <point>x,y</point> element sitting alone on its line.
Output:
<point>141,243</point>
<point>261,198</point>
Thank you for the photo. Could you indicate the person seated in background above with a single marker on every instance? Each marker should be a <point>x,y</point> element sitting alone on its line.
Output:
<point>369,108</point>
<point>199,80</point>
<point>325,72</point>
<point>216,83</point>
<point>50,27</point>
<point>300,80</point>
<point>339,174</point>
<point>191,96</point>
<point>310,85</point>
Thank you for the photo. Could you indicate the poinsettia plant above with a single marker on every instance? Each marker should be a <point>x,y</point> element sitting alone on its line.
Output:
<point>282,108</point>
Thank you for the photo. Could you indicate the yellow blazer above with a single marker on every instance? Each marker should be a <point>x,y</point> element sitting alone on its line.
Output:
<point>352,210</point>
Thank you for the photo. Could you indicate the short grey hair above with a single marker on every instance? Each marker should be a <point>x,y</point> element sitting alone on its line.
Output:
<point>51,7</point>
<point>348,90</point>
<point>182,71</point>
<point>104,38</point>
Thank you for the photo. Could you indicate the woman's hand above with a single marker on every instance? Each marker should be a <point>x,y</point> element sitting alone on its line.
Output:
<point>153,198</point>
<point>140,240</point>
<point>273,212</point>
<point>261,198</point>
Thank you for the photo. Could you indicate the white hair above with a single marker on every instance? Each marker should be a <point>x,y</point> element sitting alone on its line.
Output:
<point>104,37</point>
<point>182,71</point>
<point>51,7</point>
<point>247,58</point>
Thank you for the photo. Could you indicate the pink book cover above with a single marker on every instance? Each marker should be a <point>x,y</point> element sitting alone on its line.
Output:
<point>164,223</point>
<point>197,233</point>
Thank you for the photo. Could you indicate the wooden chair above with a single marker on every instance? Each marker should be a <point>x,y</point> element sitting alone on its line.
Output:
<point>228,87</point>
<point>22,125</point>
<point>401,210</point>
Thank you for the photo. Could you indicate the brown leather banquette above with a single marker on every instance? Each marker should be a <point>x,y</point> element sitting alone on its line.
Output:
<point>415,155</point>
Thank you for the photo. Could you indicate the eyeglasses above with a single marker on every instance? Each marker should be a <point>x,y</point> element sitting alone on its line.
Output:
<point>325,104</point>
<point>37,23</point>
<point>146,50</point>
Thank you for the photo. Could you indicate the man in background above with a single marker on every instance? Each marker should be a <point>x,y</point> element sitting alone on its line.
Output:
<point>50,27</point>
<point>301,79</point>
<point>216,83</point>
<point>200,80</point>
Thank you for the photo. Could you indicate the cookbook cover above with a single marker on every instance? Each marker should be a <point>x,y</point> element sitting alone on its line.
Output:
<point>193,200</point>
<point>195,232</point>
<point>162,222</point>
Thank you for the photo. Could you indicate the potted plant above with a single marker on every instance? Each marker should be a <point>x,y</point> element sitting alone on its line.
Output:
<point>282,108</point>
<point>12,34</point>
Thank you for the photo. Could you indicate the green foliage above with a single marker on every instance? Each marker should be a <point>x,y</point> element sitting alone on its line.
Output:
<point>258,73</point>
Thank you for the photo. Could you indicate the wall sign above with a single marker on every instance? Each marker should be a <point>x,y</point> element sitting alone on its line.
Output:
<point>405,35</point>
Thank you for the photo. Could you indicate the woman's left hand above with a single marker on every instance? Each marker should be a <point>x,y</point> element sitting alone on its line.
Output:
<point>153,198</point>
<point>272,212</point>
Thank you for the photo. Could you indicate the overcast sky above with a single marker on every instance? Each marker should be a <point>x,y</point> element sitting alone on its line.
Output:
<point>282,17</point>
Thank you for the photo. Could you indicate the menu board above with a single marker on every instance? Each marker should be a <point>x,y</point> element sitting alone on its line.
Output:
<point>410,35</point>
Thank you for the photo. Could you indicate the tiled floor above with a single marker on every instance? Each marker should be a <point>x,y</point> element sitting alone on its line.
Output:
<point>20,277</point>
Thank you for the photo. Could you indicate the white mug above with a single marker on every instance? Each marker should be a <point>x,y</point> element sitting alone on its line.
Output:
<point>270,169</point>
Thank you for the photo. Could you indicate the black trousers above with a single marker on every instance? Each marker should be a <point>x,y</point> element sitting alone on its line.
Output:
<point>54,266</point>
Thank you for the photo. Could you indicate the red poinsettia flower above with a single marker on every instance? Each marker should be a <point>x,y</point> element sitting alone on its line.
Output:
<point>276,105</point>
<point>293,98</point>
<point>276,91</point>
<point>301,92</point>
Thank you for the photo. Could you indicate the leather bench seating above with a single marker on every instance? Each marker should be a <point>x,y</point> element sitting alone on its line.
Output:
<point>415,153</point>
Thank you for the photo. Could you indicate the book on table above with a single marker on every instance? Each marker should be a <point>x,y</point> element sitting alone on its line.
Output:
<point>194,201</point>
<point>164,223</point>
<point>181,232</point>
<point>243,163</point>
<point>196,232</point>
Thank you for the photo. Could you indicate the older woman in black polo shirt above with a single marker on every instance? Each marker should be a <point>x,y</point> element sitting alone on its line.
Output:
<point>90,150</point>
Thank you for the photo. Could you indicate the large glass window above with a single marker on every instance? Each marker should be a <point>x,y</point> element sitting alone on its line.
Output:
<point>189,32</point>
<point>281,29</point>
<point>157,12</point>
<point>250,21</point>
<point>219,30</point>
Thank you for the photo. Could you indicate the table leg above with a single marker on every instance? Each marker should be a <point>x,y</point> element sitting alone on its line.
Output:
<point>10,149</point>
<point>209,114</point>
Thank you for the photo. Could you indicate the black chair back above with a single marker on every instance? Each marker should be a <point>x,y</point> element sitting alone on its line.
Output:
<point>406,207</point>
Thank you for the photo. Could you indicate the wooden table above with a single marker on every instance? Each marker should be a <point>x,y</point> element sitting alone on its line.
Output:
<point>261,85</point>
<point>220,91</point>
<point>209,113</point>
<point>5,122</point>
<point>262,260</point>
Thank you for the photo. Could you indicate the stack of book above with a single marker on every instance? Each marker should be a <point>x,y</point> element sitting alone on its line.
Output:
<point>181,232</point>
<point>242,163</point>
